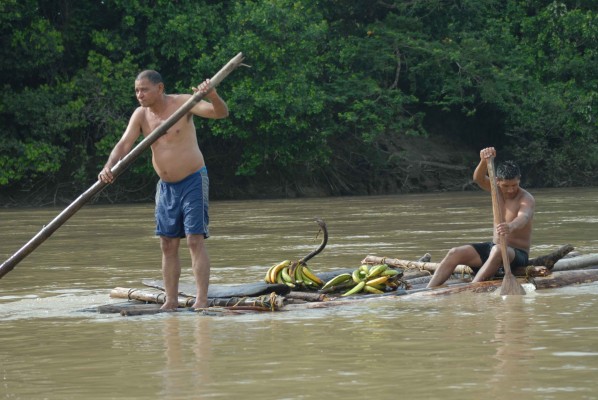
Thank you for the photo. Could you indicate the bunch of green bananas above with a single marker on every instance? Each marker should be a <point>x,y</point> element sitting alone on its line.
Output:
<point>376,279</point>
<point>293,274</point>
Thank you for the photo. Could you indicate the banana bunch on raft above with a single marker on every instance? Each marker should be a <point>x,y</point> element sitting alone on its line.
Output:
<point>293,274</point>
<point>376,279</point>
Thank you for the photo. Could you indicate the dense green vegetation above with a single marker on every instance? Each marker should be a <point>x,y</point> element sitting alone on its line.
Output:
<point>338,92</point>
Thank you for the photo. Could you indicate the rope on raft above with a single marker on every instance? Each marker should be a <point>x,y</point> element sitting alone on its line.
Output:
<point>271,302</point>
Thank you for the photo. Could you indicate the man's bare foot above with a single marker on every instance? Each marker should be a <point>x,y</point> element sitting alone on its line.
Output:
<point>199,306</point>
<point>169,306</point>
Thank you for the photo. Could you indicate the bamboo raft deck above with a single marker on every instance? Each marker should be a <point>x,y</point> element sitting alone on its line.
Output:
<point>555,270</point>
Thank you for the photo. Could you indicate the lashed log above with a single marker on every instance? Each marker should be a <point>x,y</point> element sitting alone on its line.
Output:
<point>422,269</point>
<point>479,287</point>
<point>422,280</point>
<point>134,309</point>
<point>307,296</point>
<point>555,280</point>
<point>415,273</point>
<point>426,266</point>
<point>579,262</point>
<point>270,302</point>
<point>531,271</point>
<point>149,296</point>
<point>420,283</point>
<point>565,278</point>
<point>549,260</point>
<point>118,308</point>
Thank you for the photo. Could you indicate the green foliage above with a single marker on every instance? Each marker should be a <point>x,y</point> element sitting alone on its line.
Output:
<point>554,119</point>
<point>27,160</point>
<point>277,103</point>
<point>334,89</point>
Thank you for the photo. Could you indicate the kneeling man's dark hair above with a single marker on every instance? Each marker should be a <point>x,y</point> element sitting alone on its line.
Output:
<point>508,170</point>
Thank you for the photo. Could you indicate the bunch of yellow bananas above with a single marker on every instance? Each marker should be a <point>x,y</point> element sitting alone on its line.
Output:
<point>376,279</point>
<point>293,274</point>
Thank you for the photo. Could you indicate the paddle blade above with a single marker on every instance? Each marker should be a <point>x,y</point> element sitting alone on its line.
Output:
<point>510,286</point>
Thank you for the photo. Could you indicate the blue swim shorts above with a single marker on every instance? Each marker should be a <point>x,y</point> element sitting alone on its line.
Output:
<point>182,207</point>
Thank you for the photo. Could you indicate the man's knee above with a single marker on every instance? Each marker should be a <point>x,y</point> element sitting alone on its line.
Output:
<point>460,252</point>
<point>495,252</point>
<point>454,252</point>
<point>465,254</point>
<point>169,245</point>
<point>195,241</point>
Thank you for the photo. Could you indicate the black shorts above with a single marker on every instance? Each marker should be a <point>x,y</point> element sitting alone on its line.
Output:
<point>521,257</point>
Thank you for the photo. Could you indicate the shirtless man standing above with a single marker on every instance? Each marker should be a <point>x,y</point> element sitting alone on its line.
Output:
<point>518,210</point>
<point>182,192</point>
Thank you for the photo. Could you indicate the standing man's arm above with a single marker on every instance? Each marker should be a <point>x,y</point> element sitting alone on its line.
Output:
<point>124,145</point>
<point>216,108</point>
<point>480,174</point>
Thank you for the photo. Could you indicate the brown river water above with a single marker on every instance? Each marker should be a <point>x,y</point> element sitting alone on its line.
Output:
<point>543,345</point>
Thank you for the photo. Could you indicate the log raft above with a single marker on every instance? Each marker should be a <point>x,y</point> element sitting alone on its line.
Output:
<point>558,270</point>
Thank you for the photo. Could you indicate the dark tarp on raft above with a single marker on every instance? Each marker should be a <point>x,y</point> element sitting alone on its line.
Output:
<point>225,291</point>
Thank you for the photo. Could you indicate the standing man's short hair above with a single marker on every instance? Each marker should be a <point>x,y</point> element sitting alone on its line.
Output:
<point>151,75</point>
<point>508,170</point>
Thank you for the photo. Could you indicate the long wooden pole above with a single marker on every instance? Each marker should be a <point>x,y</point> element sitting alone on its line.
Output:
<point>118,169</point>
<point>509,282</point>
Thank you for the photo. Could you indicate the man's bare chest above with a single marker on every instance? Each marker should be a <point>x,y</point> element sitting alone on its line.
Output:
<point>154,121</point>
<point>511,208</point>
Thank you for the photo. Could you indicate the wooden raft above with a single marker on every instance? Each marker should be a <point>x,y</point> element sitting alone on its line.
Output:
<point>546,272</point>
